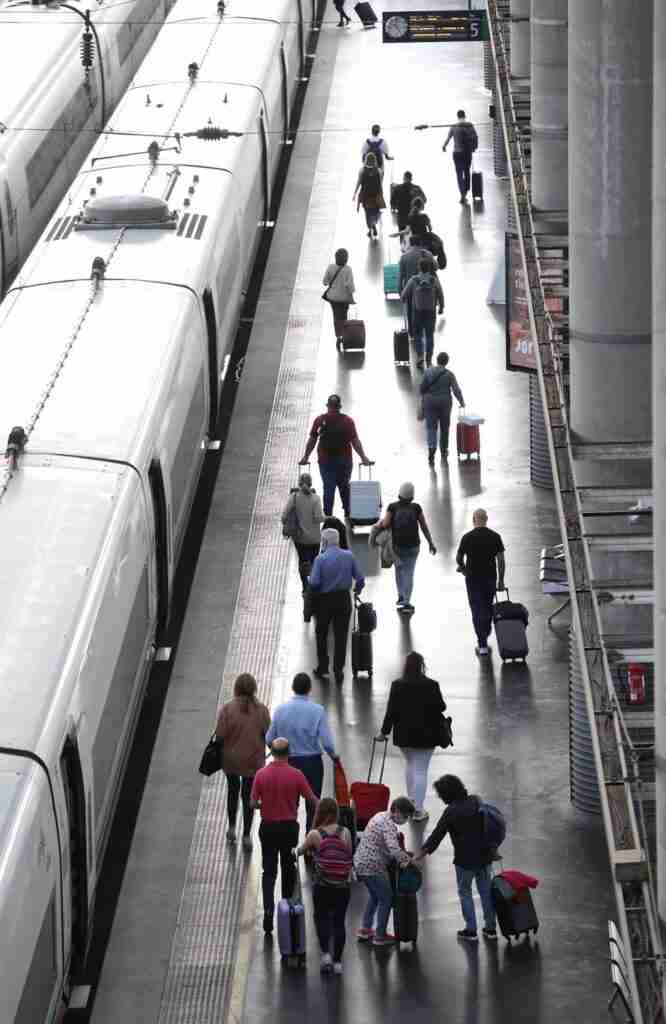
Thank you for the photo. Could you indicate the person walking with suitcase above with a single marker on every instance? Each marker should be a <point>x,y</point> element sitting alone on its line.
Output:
<point>404,518</point>
<point>339,281</point>
<point>480,559</point>
<point>344,17</point>
<point>402,197</point>
<point>334,435</point>
<point>369,192</point>
<point>425,294</point>
<point>465,143</point>
<point>331,847</point>
<point>305,727</point>
<point>241,725</point>
<point>436,388</point>
<point>413,713</point>
<point>304,504</point>
<point>472,857</point>
<point>378,850</point>
<point>333,573</point>
<point>276,791</point>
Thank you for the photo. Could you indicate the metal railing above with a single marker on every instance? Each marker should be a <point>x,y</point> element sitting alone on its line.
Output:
<point>616,758</point>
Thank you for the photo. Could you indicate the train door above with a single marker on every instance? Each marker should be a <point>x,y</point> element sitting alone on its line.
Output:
<point>72,781</point>
<point>265,173</point>
<point>158,495</point>
<point>213,362</point>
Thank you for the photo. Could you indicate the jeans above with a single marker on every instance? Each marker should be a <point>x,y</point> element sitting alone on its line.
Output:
<point>278,839</point>
<point>437,414</point>
<point>306,555</point>
<point>333,609</point>
<point>380,901</point>
<point>312,767</point>
<point>463,162</point>
<point>239,786</point>
<point>330,909</point>
<point>372,215</point>
<point>416,773</point>
<point>336,472</point>
<point>481,594</point>
<point>339,311</point>
<point>464,878</point>
<point>423,325</point>
<point>405,563</point>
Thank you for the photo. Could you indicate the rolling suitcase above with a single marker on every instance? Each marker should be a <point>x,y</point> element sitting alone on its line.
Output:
<point>477,186</point>
<point>401,347</point>
<point>291,927</point>
<point>468,439</point>
<point>391,279</point>
<point>406,917</point>
<point>516,913</point>
<point>352,335</point>
<point>510,624</point>
<point>365,500</point>
<point>369,798</point>
<point>366,14</point>
<point>361,647</point>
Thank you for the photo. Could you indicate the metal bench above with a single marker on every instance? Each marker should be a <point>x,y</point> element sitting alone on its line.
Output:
<point>553,577</point>
<point>619,972</point>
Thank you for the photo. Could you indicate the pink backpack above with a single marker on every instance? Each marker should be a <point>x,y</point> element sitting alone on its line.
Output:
<point>333,860</point>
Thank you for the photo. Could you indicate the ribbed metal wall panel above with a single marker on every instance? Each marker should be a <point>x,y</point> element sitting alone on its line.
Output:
<point>541,472</point>
<point>584,785</point>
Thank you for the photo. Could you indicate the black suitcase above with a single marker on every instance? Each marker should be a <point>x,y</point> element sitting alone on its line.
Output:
<point>347,818</point>
<point>366,14</point>
<point>516,914</point>
<point>401,347</point>
<point>361,653</point>
<point>367,616</point>
<point>510,620</point>
<point>406,917</point>
<point>477,186</point>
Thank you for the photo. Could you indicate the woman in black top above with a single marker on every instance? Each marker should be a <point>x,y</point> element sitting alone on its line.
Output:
<point>414,714</point>
<point>404,518</point>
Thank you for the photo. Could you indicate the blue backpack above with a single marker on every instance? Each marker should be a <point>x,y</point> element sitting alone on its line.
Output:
<point>494,825</point>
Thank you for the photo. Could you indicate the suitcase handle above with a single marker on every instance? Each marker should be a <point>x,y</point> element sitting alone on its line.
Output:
<point>369,468</point>
<point>375,741</point>
<point>503,590</point>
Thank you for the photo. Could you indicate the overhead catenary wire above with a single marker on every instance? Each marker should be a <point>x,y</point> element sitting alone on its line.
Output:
<point>158,133</point>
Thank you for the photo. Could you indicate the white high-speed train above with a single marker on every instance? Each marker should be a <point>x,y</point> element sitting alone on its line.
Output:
<point>50,109</point>
<point>112,340</point>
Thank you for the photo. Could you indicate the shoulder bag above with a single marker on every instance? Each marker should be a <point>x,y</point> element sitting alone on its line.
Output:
<point>325,293</point>
<point>420,408</point>
<point>212,759</point>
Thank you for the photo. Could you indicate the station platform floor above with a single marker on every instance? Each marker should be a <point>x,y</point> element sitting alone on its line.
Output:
<point>186,943</point>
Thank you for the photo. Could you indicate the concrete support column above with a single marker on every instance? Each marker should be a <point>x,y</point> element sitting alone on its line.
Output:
<point>610,152</point>
<point>520,38</point>
<point>549,60</point>
<point>659,434</point>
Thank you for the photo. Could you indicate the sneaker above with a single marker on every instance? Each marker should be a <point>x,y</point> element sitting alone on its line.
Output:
<point>268,924</point>
<point>400,601</point>
<point>320,673</point>
<point>400,605</point>
<point>490,933</point>
<point>383,940</point>
<point>247,843</point>
<point>482,651</point>
<point>337,967</point>
<point>467,935</point>
<point>326,963</point>
<point>231,835</point>
<point>431,456</point>
<point>365,934</point>
<point>420,815</point>
<point>409,608</point>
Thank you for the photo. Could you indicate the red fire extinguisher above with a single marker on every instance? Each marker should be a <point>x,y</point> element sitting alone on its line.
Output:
<point>636,675</point>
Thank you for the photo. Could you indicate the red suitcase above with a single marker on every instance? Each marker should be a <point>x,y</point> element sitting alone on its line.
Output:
<point>369,798</point>
<point>468,437</point>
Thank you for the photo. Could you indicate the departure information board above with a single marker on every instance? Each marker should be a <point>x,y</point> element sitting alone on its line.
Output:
<point>434,26</point>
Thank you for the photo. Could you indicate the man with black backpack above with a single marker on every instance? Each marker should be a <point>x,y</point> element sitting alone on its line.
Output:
<point>377,145</point>
<point>404,518</point>
<point>335,436</point>
<point>465,142</point>
<point>424,293</point>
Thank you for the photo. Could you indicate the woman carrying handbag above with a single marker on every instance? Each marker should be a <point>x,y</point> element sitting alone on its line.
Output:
<point>339,281</point>
<point>370,194</point>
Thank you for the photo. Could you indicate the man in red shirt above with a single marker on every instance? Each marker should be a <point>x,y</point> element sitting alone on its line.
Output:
<point>275,791</point>
<point>336,435</point>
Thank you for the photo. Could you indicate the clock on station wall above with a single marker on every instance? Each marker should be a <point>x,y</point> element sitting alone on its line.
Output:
<point>396,27</point>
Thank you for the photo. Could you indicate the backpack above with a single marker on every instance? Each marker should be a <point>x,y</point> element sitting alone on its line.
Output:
<point>291,527</point>
<point>470,139</point>
<point>405,526</point>
<point>494,825</point>
<point>333,435</point>
<point>333,860</point>
<point>424,292</point>
<point>375,146</point>
<point>371,180</point>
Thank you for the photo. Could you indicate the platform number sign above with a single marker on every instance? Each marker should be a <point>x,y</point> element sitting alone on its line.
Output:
<point>434,26</point>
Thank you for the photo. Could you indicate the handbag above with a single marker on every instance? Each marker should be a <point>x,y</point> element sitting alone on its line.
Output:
<point>291,527</point>
<point>445,731</point>
<point>212,758</point>
<point>325,293</point>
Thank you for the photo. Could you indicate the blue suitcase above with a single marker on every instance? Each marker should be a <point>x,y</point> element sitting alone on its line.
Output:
<point>291,927</point>
<point>391,279</point>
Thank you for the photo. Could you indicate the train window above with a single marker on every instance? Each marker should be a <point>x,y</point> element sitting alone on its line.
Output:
<point>213,366</point>
<point>185,463</point>
<point>161,543</point>
<point>72,780</point>
<point>42,975</point>
<point>44,162</point>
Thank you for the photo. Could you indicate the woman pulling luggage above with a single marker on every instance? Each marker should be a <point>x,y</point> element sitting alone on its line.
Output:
<point>339,281</point>
<point>369,191</point>
<point>331,847</point>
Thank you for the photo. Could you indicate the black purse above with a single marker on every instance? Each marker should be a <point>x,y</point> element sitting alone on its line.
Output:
<point>212,759</point>
<point>445,732</point>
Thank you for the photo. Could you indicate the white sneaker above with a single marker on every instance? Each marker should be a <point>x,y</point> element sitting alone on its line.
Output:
<point>337,968</point>
<point>326,963</point>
